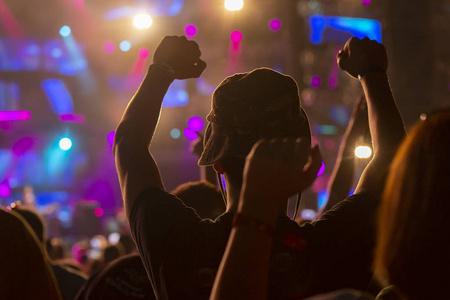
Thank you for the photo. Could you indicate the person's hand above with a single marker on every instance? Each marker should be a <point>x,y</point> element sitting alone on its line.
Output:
<point>278,168</point>
<point>359,55</point>
<point>181,56</point>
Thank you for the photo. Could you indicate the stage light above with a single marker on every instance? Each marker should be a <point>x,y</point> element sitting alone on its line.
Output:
<point>65,31</point>
<point>236,36</point>
<point>109,47</point>
<point>189,134</point>
<point>125,46</point>
<point>15,115</point>
<point>321,170</point>
<point>175,133</point>
<point>195,124</point>
<point>113,238</point>
<point>315,81</point>
<point>363,152</point>
<point>5,191</point>
<point>190,30</point>
<point>366,2</point>
<point>142,21</point>
<point>234,4</point>
<point>110,137</point>
<point>143,53</point>
<point>65,144</point>
<point>275,24</point>
<point>99,212</point>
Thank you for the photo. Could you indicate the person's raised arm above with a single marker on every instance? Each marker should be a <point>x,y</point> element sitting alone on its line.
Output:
<point>367,60</point>
<point>342,176</point>
<point>175,58</point>
<point>274,170</point>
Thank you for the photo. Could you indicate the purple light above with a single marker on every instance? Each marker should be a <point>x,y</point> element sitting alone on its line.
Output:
<point>5,190</point>
<point>195,124</point>
<point>190,30</point>
<point>321,170</point>
<point>99,212</point>
<point>22,145</point>
<point>15,115</point>
<point>315,81</point>
<point>110,137</point>
<point>236,36</point>
<point>189,134</point>
<point>73,118</point>
<point>143,53</point>
<point>109,47</point>
<point>366,2</point>
<point>275,24</point>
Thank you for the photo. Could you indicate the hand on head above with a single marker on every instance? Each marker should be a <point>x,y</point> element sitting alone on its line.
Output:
<point>181,56</point>
<point>362,54</point>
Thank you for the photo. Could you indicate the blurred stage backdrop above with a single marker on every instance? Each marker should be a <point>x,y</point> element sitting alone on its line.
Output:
<point>69,67</point>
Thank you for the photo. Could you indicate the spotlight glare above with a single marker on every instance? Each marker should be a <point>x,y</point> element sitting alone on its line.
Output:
<point>190,30</point>
<point>195,123</point>
<point>363,152</point>
<point>142,21</point>
<point>65,31</point>
<point>236,36</point>
<point>175,133</point>
<point>234,4</point>
<point>275,24</point>
<point>65,144</point>
<point>125,46</point>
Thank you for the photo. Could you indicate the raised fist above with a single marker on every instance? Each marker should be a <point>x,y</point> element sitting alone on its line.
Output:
<point>180,56</point>
<point>359,55</point>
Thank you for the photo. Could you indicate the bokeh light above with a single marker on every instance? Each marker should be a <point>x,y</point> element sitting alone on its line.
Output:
<point>65,31</point>
<point>366,2</point>
<point>125,46</point>
<point>189,134</point>
<point>236,36</point>
<point>99,212</point>
<point>142,21</point>
<point>315,81</point>
<point>190,30</point>
<point>65,144</point>
<point>5,190</point>
<point>363,152</point>
<point>143,52</point>
<point>275,24</point>
<point>321,170</point>
<point>195,123</point>
<point>22,145</point>
<point>114,238</point>
<point>109,47</point>
<point>110,137</point>
<point>234,4</point>
<point>175,133</point>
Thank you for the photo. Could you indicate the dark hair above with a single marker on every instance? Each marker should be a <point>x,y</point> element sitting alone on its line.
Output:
<point>33,219</point>
<point>202,196</point>
<point>414,229</point>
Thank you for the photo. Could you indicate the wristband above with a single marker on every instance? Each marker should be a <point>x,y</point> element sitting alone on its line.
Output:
<point>261,226</point>
<point>368,70</point>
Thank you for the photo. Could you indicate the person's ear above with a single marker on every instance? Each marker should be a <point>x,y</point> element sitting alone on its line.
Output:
<point>218,167</point>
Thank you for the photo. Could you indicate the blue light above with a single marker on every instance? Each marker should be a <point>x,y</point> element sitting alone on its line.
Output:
<point>65,31</point>
<point>125,46</point>
<point>175,133</point>
<point>175,7</point>
<point>176,95</point>
<point>325,129</point>
<point>347,26</point>
<point>58,95</point>
<point>322,198</point>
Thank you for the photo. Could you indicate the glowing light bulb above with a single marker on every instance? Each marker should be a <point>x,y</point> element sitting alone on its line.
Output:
<point>142,21</point>
<point>363,152</point>
<point>234,4</point>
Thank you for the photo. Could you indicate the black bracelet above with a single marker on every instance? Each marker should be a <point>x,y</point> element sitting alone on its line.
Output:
<point>368,70</point>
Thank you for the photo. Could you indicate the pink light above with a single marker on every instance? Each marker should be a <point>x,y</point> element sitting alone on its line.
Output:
<point>72,118</point>
<point>189,134</point>
<point>190,30</point>
<point>195,124</point>
<point>22,145</point>
<point>109,47</point>
<point>143,53</point>
<point>5,190</point>
<point>15,115</point>
<point>79,3</point>
<point>110,137</point>
<point>315,81</point>
<point>321,170</point>
<point>275,24</point>
<point>98,212</point>
<point>329,144</point>
<point>236,36</point>
<point>366,2</point>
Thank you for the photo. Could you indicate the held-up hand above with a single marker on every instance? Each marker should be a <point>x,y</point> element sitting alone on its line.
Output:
<point>181,56</point>
<point>359,55</point>
<point>279,168</point>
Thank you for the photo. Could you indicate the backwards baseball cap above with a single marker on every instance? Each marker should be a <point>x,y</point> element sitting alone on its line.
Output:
<point>250,106</point>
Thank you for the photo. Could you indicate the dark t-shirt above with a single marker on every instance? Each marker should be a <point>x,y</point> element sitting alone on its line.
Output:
<point>181,252</point>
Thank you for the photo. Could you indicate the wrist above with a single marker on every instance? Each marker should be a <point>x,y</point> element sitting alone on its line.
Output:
<point>163,72</point>
<point>260,225</point>
<point>370,70</point>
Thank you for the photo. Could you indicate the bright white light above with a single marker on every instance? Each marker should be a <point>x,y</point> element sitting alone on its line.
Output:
<point>142,21</point>
<point>65,144</point>
<point>234,4</point>
<point>114,238</point>
<point>363,152</point>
